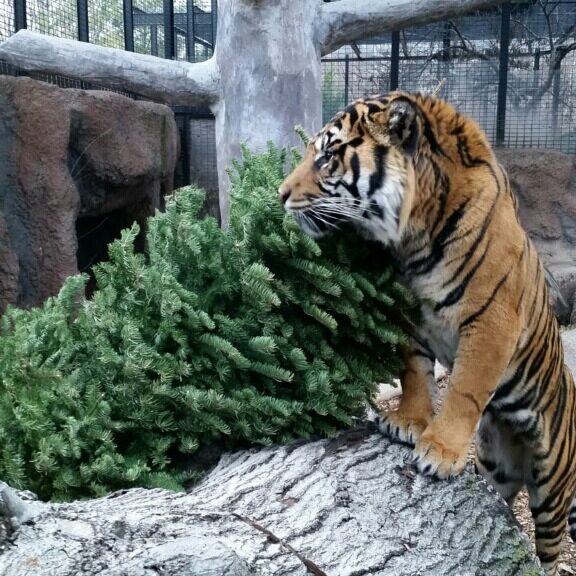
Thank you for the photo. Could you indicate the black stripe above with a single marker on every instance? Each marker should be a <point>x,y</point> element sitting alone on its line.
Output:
<point>469,253</point>
<point>377,177</point>
<point>455,295</point>
<point>488,464</point>
<point>426,264</point>
<point>355,166</point>
<point>486,304</point>
<point>432,141</point>
<point>353,115</point>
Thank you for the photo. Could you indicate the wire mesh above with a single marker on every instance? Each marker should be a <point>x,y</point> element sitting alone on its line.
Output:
<point>464,54</point>
<point>148,19</point>
<point>7,25</point>
<point>106,23</point>
<point>53,17</point>
<point>541,99</point>
<point>202,153</point>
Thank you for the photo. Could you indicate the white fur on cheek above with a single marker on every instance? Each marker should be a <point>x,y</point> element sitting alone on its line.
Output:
<point>389,198</point>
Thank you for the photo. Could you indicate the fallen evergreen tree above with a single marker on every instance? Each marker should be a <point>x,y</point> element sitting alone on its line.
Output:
<point>253,335</point>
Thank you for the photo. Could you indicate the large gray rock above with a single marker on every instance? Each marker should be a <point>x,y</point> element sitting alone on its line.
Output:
<point>343,507</point>
<point>545,183</point>
<point>76,167</point>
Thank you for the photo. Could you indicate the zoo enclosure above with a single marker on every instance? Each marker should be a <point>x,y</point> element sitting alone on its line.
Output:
<point>511,68</point>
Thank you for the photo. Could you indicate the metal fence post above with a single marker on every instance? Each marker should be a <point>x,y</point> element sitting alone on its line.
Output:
<point>19,14</point>
<point>154,40</point>
<point>503,74</point>
<point>395,61</point>
<point>214,8</point>
<point>128,13</point>
<point>169,39</point>
<point>83,31</point>
<point>190,31</point>
<point>556,94</point>
<point>346,80</point>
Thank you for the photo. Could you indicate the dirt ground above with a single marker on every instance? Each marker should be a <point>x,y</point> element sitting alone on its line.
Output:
<point>521,508</point>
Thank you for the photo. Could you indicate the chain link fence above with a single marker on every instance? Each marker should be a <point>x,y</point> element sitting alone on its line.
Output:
<point>512,68</point>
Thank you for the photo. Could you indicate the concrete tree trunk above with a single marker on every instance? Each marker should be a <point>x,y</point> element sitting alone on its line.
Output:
<point>265,76</point>
<point>276,82</point>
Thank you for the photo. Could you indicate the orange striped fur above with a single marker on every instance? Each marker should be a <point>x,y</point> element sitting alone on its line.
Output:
<point>410,171</point>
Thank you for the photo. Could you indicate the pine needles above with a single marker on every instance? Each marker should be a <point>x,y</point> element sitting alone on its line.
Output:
<point>251,336</point>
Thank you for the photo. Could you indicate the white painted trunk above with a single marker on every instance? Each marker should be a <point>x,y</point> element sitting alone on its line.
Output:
<point>342,507</point>
<point>166,81</point>
<point>348,21</point>
<point>269,64</point>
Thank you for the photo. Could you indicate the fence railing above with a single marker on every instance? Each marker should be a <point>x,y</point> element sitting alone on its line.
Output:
<point>512,68</point>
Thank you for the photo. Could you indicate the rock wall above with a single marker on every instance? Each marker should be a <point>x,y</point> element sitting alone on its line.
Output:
<point>545,183</point>
<point>76,167</point>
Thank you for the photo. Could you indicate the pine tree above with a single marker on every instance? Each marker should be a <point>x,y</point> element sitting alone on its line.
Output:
<point>253,335</point>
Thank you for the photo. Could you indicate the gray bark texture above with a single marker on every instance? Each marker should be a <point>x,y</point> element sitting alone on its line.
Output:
<point>166,81</point>
<point>265,76</point>
<point>347,21</point>
<point>343,507</point>
<point>269,64</point>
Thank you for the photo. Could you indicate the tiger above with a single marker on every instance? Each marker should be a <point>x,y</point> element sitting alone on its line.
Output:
<point>411,172</point>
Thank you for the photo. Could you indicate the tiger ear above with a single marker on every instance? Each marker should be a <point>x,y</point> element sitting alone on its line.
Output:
<point>395,126</point>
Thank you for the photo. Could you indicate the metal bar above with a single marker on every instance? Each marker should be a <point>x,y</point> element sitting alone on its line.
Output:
<point>346,79</point>
<point>20,14</point>
<point>185,147</point>
<point>83,30</point>
<point>556,94</point>
<point>214,7</point>
<point>128,13</point>
<point>190,31</point>
<point>503,74</point>
<point>154,40</point>
<point>169,39</point>
<point>395,61</point>
<point>446,42</point>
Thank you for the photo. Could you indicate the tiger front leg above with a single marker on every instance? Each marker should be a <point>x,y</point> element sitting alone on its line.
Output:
<point>415,411</point>
<point>484,353</point>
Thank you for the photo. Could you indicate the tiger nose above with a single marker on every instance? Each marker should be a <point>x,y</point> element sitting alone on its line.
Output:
<point>284,193</point>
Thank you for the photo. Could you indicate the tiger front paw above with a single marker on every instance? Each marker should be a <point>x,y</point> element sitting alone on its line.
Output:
<point>434,457</point>
<point>402,428</point>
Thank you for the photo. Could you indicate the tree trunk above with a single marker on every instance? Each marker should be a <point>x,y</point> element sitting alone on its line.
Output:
<point>167,81</point>
<point>269,62</point>
<point>342,507</point>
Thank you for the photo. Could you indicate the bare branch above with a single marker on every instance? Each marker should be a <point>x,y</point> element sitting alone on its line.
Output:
<point>349,20</point>
<point>167,81</point>
<point>555,60</point>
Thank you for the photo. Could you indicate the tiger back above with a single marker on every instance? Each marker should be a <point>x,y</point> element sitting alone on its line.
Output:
<point>408,170</point>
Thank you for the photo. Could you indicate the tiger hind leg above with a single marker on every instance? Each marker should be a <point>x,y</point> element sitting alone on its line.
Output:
<point>549,506</point>
<point>500,456</point>
<point>572,519</point>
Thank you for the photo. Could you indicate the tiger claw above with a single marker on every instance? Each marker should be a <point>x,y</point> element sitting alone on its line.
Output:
<point>401,428</point>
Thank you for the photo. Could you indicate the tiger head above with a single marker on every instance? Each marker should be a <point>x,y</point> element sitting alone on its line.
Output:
<point>359,169</point>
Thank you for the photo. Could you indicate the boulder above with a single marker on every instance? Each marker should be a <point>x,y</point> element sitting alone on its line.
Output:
<point>342,507</point>
<point>545,184</point>
<point>76,167</point>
